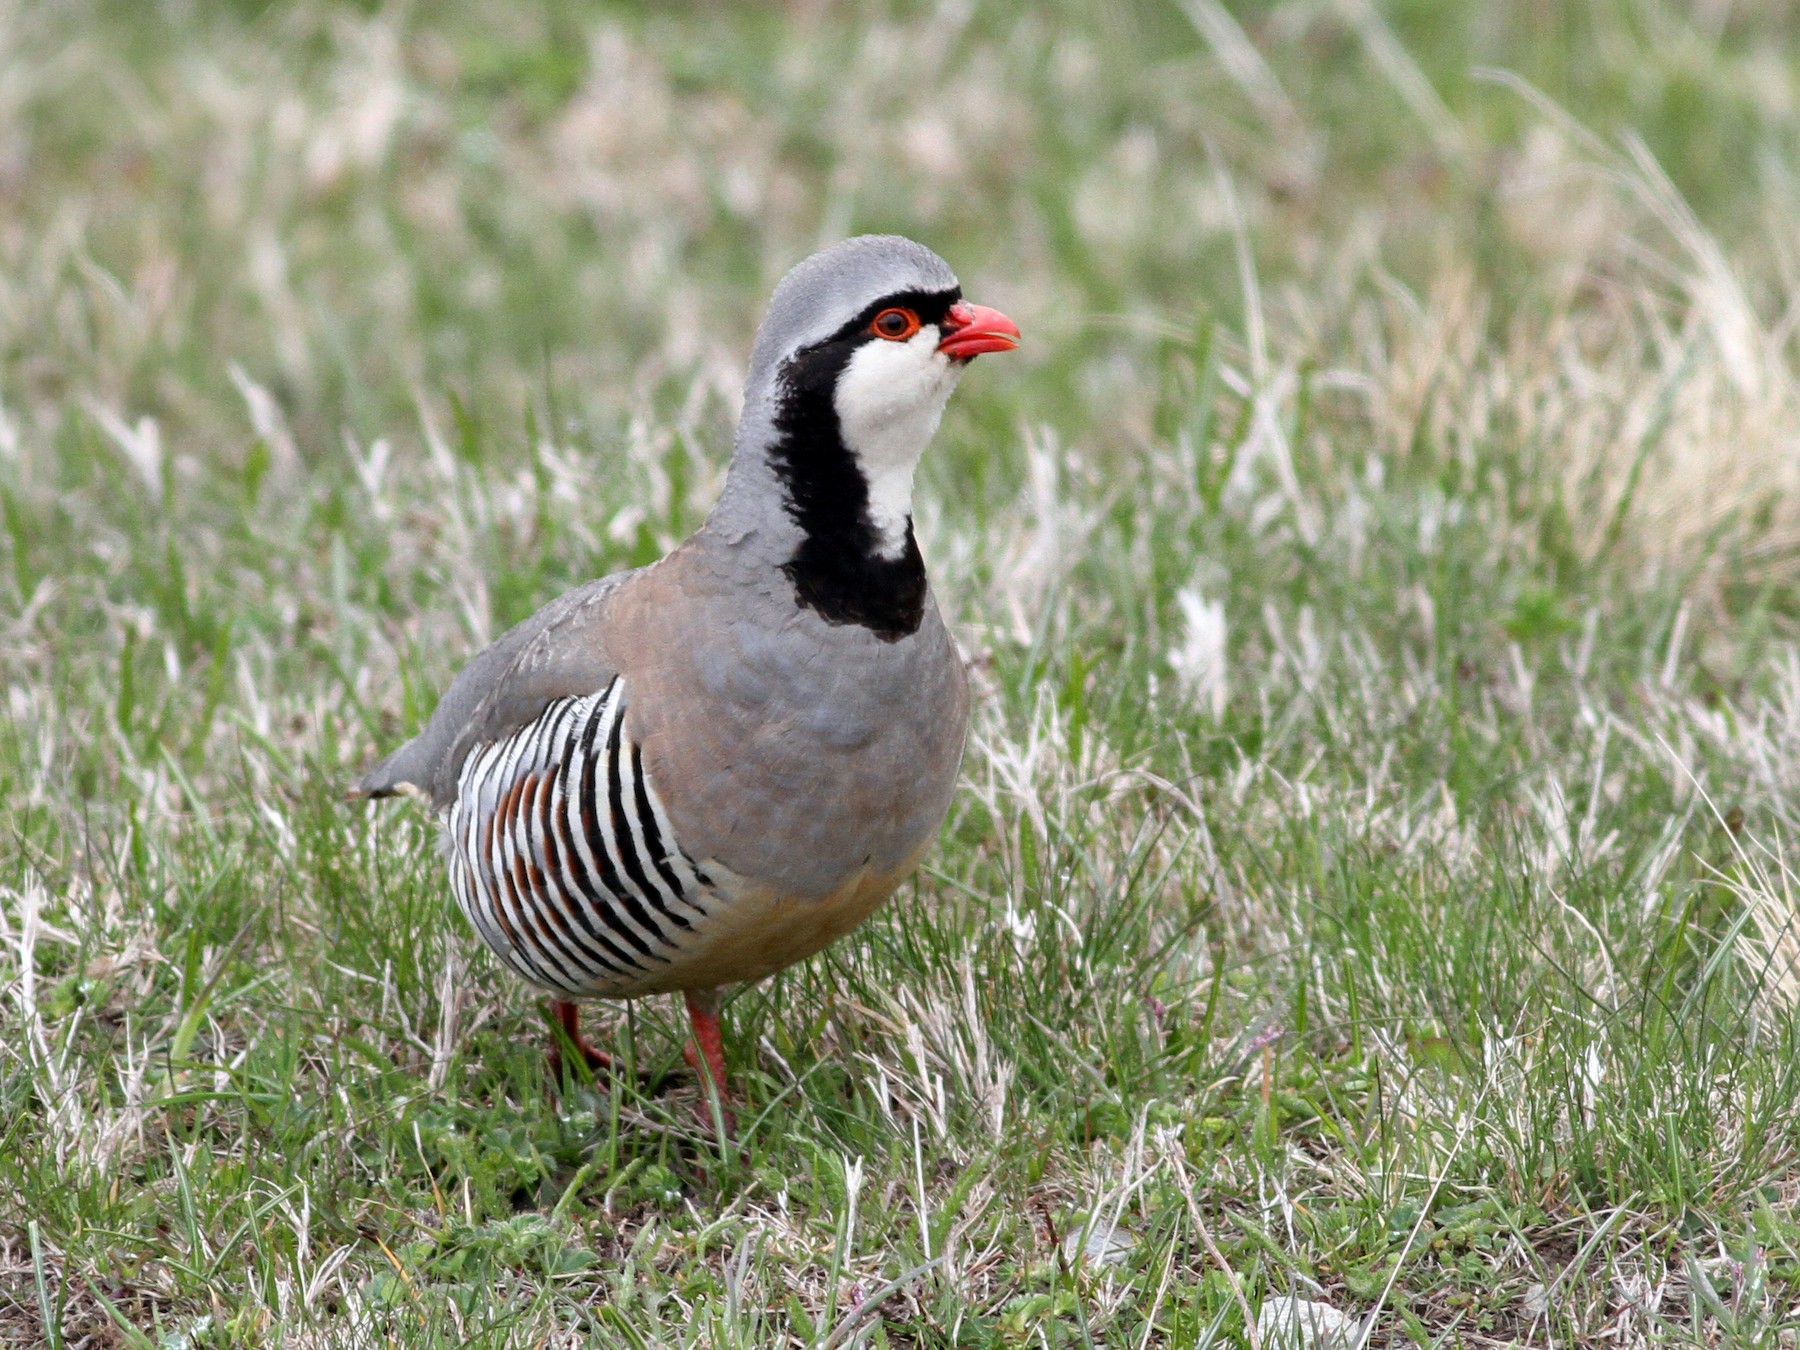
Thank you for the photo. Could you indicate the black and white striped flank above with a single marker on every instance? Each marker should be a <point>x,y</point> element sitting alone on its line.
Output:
<point>562,857</point>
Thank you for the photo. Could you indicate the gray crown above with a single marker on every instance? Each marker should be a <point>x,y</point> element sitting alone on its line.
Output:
<point>822,294</point>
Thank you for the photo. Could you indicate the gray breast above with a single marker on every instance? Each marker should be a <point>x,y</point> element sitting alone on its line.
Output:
<point>800,753</point>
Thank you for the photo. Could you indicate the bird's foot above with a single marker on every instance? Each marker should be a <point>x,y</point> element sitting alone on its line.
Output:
<point>705,1055</point>
<point>567,1017</point>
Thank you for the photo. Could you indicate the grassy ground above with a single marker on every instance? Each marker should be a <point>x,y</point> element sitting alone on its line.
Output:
<point>1371,880</point>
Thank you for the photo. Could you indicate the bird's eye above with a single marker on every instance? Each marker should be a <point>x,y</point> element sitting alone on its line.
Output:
<point>896,325</point>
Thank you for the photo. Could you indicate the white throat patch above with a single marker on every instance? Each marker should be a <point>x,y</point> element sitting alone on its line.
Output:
<point>889,399</point>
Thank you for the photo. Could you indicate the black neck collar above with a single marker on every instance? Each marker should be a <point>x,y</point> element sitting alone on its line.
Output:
<point>838,569</point>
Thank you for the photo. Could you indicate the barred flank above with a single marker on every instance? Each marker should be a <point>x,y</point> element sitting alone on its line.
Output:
<point>562,856</point>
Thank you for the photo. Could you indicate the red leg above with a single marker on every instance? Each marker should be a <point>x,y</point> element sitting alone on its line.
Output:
<point>568,1017</point>
<point>708,1048</point>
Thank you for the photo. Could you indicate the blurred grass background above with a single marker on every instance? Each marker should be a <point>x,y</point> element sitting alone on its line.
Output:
<point>1371,886</point>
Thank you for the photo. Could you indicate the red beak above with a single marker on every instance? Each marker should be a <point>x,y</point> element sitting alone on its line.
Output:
<point>970,330</point>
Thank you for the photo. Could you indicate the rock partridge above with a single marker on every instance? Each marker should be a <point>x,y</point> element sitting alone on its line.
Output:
<point>696,773</point>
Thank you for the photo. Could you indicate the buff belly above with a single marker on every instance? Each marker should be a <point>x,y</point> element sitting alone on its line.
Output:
<point>755,931</point>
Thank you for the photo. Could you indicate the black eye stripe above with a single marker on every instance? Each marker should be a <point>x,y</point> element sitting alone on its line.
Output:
<point>930,306</point>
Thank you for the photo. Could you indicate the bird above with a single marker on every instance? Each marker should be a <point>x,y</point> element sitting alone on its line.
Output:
<point>691,775</point>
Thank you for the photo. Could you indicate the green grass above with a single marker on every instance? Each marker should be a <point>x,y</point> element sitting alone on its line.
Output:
<point>1371,881</point>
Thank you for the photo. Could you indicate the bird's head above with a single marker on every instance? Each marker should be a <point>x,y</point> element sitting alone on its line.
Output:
<point>857,356</point>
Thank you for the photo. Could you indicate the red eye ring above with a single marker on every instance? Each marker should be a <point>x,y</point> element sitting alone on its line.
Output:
<point>896,325</point>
